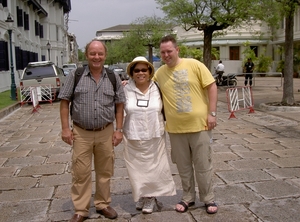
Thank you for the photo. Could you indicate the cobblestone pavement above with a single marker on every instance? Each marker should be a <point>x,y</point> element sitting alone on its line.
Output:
<point>256,161</point>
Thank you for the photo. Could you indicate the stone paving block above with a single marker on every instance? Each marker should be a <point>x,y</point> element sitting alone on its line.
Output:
<point>244,131</point>
<point>8,154</point>
<point>51,151</point>
<point>294,182</point>
<point>221,166</point>
<point>255,154</point>
<point>241,148</point>
<point>283,173</point>
<point>163,216</point>
<point>61,205</point>
<point>2,161</point>
<point>120,173</point>
<point>230,141</point>
<point>27,194</point>
<point>252,164</point>
<point>59,158</point>
<point>25,161</point>
<point>63,191</point>
<point>49,169</point>
<point>221,157</point>
<point>287,152</point>
<point>265,147</point>
<point>216,147</point>
<point>55,180</point>
<point>242,176</point>
<point>17,183</point>
<point>7,171</point>
<point>47,139</point>
<point>61,216</point>
<point>33,146</point>
<point>287,162</point>
<point>5,148</point>
<point>226,213</point>
<point>287,140</point>
<point>277,210</point>
<point>266,141</point>
<point>119,163</point>
<point>274,189</point>
<point>235,194</point>
<point>120,186</point>
<point>24,211</point>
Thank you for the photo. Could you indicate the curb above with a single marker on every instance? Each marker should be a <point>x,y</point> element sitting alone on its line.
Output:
<point>265,107</point>
<point>6,111</point>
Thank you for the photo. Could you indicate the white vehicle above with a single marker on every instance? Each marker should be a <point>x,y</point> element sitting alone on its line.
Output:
<point>42,73</point>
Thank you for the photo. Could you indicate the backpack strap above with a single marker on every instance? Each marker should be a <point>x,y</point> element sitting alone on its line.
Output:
<point>112,78</point>
<point>162,110</point>
<point>78,74</point>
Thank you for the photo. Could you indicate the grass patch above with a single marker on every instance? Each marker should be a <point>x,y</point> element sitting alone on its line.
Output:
<point>5,99</point>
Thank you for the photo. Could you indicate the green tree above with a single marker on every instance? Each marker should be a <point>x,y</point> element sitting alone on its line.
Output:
<point>273,12</point>
<point>144,35</point>
<point>208,16</point>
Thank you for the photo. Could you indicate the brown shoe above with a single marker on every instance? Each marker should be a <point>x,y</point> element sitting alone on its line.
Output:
<point>108,212</point>
<point>78,218</point>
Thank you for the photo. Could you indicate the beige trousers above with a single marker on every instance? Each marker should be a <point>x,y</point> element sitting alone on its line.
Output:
<point>192,154</point>
<point>86,145</point>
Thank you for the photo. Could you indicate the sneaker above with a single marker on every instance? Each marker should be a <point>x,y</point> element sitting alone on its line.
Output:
<point>139,205</point>
<point>149,204</point>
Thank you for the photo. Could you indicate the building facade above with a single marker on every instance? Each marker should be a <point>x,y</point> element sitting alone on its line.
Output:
<point>39,33</point>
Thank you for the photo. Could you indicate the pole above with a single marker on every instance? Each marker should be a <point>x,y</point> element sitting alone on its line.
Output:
<point>48,54</point>
<point>12,74</point>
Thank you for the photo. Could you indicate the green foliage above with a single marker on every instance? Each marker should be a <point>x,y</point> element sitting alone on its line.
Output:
<point>263,63</point>
<point>81,55</point>
<point>145,34</point>
<point>248,53</point>
<point>208,16</point>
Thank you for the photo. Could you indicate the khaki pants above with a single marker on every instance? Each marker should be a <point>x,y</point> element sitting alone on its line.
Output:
<point>86,144</point>
<point>192,154</point>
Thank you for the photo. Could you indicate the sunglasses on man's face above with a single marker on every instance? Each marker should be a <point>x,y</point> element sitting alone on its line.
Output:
<point>139,70</point>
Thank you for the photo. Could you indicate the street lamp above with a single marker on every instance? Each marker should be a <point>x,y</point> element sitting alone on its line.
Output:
<point>10,23</point>
<point>48,48</point>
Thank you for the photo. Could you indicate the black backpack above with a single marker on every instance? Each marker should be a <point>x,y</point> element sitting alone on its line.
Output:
<point>78,75</point>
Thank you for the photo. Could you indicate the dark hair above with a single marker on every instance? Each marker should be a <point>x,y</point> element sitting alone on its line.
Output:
<point>88,45</point>
<point>169,38</point>
<point>134,65</point>
<point>220,61</point>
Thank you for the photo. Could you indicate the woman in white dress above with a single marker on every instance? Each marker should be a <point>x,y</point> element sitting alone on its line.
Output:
<point>144,138</point>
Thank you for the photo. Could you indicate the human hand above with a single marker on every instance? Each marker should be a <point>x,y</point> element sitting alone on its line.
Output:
<point>117,138</point>
<point>67,136</point>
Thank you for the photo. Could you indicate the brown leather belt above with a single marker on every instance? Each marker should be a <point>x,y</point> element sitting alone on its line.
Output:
<point>96,129</point>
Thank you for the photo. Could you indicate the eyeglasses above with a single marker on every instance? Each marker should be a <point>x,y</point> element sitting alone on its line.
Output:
<point>138,70</point>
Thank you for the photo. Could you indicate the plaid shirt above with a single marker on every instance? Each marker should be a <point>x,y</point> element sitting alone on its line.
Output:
<point>93,104</point>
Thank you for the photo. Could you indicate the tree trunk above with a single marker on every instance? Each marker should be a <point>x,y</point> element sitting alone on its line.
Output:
<point>288,95</point>
<point>207,47</point>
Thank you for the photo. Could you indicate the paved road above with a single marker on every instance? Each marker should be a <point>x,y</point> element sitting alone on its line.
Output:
<point>256,160</point>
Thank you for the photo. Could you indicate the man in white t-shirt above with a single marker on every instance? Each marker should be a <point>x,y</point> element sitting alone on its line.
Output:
<point>220,70</point>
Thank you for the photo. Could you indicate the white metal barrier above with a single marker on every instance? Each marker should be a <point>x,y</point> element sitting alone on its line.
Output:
<point>239,98</point>
<point>34,99</point>
<point>44,93</point>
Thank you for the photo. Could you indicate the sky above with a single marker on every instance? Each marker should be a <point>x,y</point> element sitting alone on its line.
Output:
<point>89,16</point>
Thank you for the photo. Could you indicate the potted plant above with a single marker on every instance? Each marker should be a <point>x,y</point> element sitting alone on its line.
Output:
<point>263,64</point>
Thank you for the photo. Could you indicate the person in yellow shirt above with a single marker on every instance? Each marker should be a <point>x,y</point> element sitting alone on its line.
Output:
<point>189,96</point>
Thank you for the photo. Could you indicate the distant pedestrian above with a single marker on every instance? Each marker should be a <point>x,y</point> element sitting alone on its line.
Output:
<point>248,69</point>
<point>93,133</point>
<point>220,71</point>
<point>145,151</point>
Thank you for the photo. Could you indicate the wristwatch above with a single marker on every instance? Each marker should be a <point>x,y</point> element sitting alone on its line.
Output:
<point>214,114</point>
<point>119,130</point>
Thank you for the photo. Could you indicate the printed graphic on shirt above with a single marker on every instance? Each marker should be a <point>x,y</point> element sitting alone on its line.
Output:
<point>182,91</point>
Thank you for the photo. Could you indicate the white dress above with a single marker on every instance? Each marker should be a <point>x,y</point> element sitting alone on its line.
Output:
<point>144,144</point>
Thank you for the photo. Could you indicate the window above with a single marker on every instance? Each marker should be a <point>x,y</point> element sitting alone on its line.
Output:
<point>254,49</point>
<point>4,3</point>
<point>3,56</point>
<point>19,17</point>
<point>26,21</point>
<point>41,31</point>
<point>37,28</point>
<point>234,53</point>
